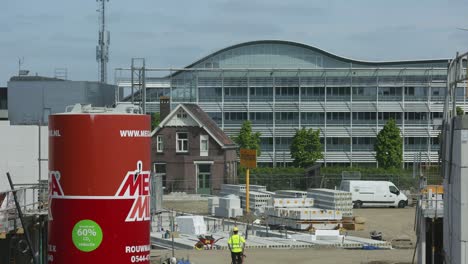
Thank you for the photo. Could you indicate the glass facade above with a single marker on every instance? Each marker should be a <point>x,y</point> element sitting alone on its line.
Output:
<point>283,86</point>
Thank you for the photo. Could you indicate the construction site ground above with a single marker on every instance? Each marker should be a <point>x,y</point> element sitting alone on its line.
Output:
<point>393,223</point>
<point>296,256</point>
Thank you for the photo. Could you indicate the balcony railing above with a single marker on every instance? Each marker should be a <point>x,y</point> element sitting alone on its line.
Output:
<point>338,122</point>
<point>235,98</point>
<point>209,99</point>
<point>282,147</point>
<point>338,148</point>
<point>294,122</point>
<point>262,122</point>
<point>339,98</point>
<point>266,147</point>
<point>261,98</point>
<point>363,147</point>
<point>282,98</point>
<point>364,97</point>
<point>371,122</point>
<point>233,122</point>
<point>415,98</point>
<point>417,122</point>
<point>418,148</point>
<point>311,98</point>
<point>390,97</point>
<point>310,122</point>
<point>384,121</point>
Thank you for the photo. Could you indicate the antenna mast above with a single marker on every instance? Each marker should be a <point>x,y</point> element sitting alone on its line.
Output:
<point>102,49</point>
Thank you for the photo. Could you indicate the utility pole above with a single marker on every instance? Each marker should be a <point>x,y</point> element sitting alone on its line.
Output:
<point>102,49</point>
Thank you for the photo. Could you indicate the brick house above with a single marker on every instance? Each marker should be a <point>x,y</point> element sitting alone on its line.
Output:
<point>191,152</point>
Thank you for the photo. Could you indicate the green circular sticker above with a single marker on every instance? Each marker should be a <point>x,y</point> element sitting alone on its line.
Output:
<point>87,235</point>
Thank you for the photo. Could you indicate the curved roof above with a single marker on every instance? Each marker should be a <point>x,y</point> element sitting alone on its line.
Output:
<point>401,63</point>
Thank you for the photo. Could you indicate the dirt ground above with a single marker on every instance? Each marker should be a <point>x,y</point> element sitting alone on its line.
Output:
<point>392,222</point>
<point>194,207</point>
<point>297,256</point>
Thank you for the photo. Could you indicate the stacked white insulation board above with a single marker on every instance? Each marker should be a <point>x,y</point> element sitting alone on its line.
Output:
<point>228,206</point>
<point>213,202</point>
<point>332,199</point>
<point>237,189</point>
<point>291,202</point>
<point>257,201</point>
<point>300,218</point>
<point>191,224</point>
<point>290,194</point>
<point>259,197</point>
<point>299,213</point>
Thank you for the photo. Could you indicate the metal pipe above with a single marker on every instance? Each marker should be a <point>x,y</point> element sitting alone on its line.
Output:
<point>20,214</point>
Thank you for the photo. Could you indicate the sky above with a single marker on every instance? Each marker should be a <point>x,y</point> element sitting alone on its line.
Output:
<point>54,34</point>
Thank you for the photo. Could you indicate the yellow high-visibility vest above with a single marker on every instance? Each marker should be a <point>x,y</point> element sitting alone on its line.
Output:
<point>236,242</point>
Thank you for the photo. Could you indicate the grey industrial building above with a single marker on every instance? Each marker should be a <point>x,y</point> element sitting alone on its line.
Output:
<point>3,103</point>
<point>31,99</point>
<point>282,86</point>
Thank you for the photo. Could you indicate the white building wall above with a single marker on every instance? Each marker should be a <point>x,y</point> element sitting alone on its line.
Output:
<point>19,147</point>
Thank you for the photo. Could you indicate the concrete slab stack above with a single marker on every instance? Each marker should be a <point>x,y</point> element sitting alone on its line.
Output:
<point>237,189</point>
<point>290,194</point>
<point>213,202</point>
<point>302,218</point>
<point>257,201</point>
<point>291,202</point>
<point>259,196</point>
<point>333,200</point>
<point>192,224</point>
<point>229,206</point>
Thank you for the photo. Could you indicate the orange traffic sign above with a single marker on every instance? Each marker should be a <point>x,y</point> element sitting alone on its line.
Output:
<point>248,158</point>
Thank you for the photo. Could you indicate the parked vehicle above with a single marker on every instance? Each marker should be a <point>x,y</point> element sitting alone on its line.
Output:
<point>374,193</point>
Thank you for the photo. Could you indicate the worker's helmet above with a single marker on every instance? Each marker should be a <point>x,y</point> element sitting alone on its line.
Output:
<point>235,229</point>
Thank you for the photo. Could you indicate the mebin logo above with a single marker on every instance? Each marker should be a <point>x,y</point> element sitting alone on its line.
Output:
<point>136,184</point>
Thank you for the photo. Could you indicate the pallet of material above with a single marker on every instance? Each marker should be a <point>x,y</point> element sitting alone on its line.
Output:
<point>333,200</point>
<point>291,202</point>
<point>304,213</point>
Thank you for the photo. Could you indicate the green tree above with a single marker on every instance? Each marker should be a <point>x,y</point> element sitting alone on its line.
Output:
<point>155,120</point>
<point>460,111</point>
<point>306,148</point>
<point>389,146</point>
<point>248,140</point>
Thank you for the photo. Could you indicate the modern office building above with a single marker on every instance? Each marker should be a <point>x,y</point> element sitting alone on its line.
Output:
<point>282,86</point>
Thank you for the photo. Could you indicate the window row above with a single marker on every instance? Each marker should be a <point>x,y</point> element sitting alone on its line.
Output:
<point>315,91</point>
<point>358,143</point>
<point>182,143</point>
<point>331,117</point>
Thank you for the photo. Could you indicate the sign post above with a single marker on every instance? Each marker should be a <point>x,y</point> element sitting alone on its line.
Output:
<point>248,159</point>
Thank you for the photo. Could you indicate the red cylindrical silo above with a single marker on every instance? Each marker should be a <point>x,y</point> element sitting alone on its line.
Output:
<point>99,188</point>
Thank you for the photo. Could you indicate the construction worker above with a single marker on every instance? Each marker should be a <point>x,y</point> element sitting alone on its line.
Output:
<point>236,244</point>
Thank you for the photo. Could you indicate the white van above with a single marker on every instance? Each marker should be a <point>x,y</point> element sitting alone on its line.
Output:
<point>374,193</point>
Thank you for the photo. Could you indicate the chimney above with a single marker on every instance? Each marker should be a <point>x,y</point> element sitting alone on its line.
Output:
<point>164,106</point>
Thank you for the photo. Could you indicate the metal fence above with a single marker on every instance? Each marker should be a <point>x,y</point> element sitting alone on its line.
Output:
<point>32,198</point>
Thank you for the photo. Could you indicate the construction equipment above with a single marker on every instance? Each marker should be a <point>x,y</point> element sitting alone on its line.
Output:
<point>206,242</point>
